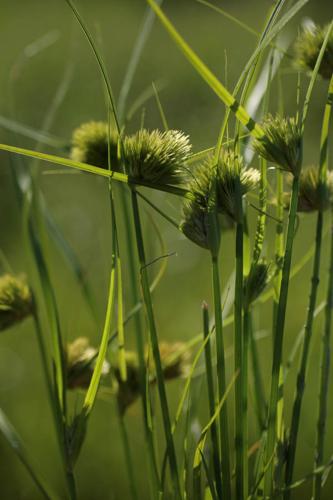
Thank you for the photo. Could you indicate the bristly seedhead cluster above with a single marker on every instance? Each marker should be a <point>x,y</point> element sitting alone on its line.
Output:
<point>175,359</point>
<point>222,177</point>
<point>151,157</point>
<point>127,390</point>
<point>78,356</point>
<point>307,48</point>
<point>94,144</point>
<point>313,195</point>
<point>281,144</point>
<point>16,302</point>
<point>157,157</point>
<point>256,282</point>
<point>230,171</point>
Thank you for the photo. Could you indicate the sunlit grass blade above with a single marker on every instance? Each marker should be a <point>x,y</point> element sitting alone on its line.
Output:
<point>96,376</point>
<point>210,78</point>
<point>84,167</point>
<point>207,75</point>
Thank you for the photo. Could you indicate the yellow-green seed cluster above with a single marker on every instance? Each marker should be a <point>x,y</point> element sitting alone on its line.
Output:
<point>313,194</point>
<point>307,48</point>
<point>281,144</point>
<point>223,178</point>
<point>16,302</point>
<point>152,157</point>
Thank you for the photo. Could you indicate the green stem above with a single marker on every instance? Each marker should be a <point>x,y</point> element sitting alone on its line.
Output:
<point>278,336</point>
<point>221,378</point>
<point>296,413</point>
<point>245,377</point>
<point>240,417</point>
<point>325,356</point>
<point>324,380</point>
<point>259,393</point>
<point>155,347</point>
<point>128,458</point>
<point>211,400</point>
<point>140,343</point>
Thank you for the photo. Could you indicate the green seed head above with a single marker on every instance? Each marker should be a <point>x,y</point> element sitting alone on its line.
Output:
<point>79,354</point>
<point>230,172</point>
<point>157,157</point>
<point>16,302</point>
<point>256,282</point>
<point>307,48</point>
<point>224,177</point>
<point>195,223</point>
<point>91,143</point>
<point>175,359</point>
<point>281,144</point>
<point>313,195</point>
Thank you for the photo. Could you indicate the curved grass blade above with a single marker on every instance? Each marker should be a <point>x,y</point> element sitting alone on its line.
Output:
<point>15,442</point>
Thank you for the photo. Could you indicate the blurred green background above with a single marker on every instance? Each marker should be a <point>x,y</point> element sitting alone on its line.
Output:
<point>41,46</point>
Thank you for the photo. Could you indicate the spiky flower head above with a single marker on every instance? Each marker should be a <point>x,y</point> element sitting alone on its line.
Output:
<point>313,195</point>
<point>230,172</point>
<point>224,177</point>
<point>281,144</point>
<point>195,223</point>
<point>16,302</point>
<point>91,143</point>
<point>256,282</point>
<point>175,359</point>
<point>307,48</point>
<point>79,355</point>
<point>128,390</point>
<point>157,157</point>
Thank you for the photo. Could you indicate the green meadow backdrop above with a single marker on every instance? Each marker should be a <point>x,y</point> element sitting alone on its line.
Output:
<point>42,48</point>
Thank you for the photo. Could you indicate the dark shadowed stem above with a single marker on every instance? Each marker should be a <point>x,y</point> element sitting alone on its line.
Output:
<point>245,371</point>
<point>296,413</point>
<point>211,401</point>
<point>128,457</point>
<point>139,336</point>
<point>278,336</point>
<point>221,378</point>
<point>240,417</point>
<point>324,380</point>
<point>155,347</point>
<point>325,356</point>
<point>259,393</point>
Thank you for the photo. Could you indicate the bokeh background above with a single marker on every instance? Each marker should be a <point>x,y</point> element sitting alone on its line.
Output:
<point>42,48</point>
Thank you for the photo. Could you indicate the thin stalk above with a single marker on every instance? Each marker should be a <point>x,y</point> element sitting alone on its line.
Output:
<point>128,457</point>
<point>221,378</point>
<point>278,335</point>
<point>325,357</point>
<point>240,417</point>
<point>211,400</point>
<point>324,380</point>
<point>296,413</point>
<point>155,347</point>
<point>245,376</point>
<point>259,392</point>
<point>140,342</point>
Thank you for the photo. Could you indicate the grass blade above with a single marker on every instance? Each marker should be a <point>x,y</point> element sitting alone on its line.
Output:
<point>14,440</point>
